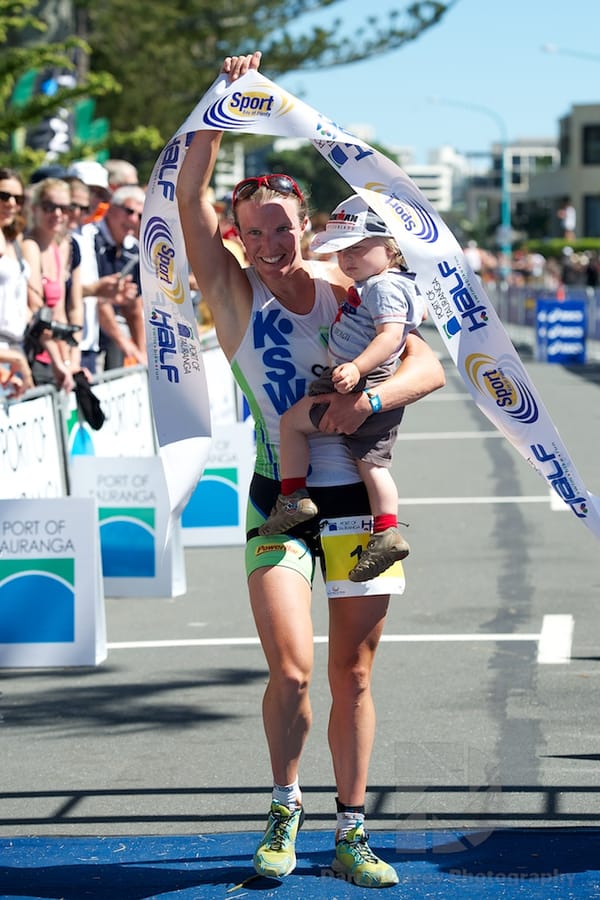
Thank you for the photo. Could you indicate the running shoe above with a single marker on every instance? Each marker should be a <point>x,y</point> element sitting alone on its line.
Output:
<point>275,856</point>
<point>289,510</point>
<point>383,549</point>
<point>355,860</point>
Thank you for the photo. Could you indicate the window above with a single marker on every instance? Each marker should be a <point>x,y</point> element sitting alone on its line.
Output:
<point>591,145</point>
<point>591,215</point>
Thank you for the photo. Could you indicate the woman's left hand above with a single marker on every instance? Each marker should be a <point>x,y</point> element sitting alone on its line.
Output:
<point>345,412</point>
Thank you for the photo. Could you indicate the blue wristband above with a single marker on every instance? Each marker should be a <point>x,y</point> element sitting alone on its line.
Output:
<point>374,400</point>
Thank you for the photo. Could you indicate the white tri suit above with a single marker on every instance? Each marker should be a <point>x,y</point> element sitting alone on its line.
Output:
<point>280,354</point>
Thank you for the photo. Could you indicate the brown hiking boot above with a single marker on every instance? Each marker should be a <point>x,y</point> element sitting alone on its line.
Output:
<point>380,553</point>
<point>289,510</point>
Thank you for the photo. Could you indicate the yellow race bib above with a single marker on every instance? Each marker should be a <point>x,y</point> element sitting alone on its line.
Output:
<point>343,540</point>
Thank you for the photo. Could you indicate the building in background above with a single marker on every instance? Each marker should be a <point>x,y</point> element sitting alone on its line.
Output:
<point>576,178</point>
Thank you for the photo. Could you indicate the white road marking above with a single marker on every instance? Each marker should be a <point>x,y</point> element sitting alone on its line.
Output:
<point>443,397</point>
<point>447,435</point>
<point>318,639</point>
<point>557,504</point>
<point>444,501</point>
<point>556,639</point>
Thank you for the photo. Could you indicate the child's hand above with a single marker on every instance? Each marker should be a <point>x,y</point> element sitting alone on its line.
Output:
<point>345,377</point>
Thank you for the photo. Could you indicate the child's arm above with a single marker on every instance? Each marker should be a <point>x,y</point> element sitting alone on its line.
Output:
<point>385,343</point>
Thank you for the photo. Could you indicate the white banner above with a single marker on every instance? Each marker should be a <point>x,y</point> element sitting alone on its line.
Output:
<point>460,308</point>
<point>31,449</point>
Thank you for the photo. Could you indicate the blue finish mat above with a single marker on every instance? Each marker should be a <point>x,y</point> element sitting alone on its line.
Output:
<point>550,864</point>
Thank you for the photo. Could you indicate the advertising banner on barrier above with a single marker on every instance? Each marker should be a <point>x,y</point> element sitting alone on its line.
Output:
<point>216,512</point>
<point>51,599</point>
<point>141,556</point>
<point>31,449</point>
<point>560,331</point>
<point>128,428</point>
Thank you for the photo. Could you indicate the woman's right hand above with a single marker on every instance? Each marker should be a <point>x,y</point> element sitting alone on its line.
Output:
<point>236,66</point>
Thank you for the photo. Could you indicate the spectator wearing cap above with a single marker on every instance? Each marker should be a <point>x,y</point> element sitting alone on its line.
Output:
<point>50,171</point>
<point>95,175</point>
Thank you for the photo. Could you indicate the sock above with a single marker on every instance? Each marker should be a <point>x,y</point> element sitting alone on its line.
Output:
<point>289,485</point>
<point>347,818</point>
<point>382,523</point>
<point>288,795</point>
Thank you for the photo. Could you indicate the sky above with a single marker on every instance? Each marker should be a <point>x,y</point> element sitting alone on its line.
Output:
<point>484,53</point>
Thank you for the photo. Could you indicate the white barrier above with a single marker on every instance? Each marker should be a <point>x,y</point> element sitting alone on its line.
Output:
<point>32,458</point>
<point>215,514</point>
<point>128,429</point>
<point>140,556</point>
<point>113,538</point>
<point>51,601</point>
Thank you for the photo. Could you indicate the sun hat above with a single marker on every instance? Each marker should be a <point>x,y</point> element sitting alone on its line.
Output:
<point>90,172</point>
<point>350,222</point>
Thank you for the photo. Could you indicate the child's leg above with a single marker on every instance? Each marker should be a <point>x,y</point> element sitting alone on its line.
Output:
<point>381,488</point>
<point>294,453</point>
<point>386,544</point>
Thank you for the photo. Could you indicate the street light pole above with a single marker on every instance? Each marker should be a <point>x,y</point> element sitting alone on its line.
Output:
<point>505,202</point>
<point>563,51</point>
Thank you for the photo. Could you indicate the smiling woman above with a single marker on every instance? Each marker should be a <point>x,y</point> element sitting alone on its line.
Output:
<point>55,283</point>
<point>271,319</point>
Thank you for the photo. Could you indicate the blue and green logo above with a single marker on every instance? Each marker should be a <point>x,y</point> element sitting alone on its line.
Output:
<point>37,601</point>
<point>127,542</point>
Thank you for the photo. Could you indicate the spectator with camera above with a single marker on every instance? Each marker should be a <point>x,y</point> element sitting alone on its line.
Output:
<point>54,291</point>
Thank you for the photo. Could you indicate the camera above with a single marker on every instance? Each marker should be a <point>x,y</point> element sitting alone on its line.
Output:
<point>41,322</point>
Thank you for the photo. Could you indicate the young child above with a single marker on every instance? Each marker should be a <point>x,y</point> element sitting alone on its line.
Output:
<point>365,344</point>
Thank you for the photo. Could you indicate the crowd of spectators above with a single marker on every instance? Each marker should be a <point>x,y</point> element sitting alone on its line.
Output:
<point>70,290</point>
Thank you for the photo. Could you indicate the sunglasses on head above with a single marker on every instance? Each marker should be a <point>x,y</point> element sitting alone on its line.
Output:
<point>19,199</point>
<point>283,184</point>
<point>48,206</point>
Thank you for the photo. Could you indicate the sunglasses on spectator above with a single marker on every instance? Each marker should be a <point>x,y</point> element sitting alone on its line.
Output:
<point>48,206</point>
<point>131,212</point>
<point>19,199</point>
<point>283,184</point>
<point>75,207</point>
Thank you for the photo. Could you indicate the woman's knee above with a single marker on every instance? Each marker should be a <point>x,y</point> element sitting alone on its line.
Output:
<point>350,680</point>
<point>290,681</point>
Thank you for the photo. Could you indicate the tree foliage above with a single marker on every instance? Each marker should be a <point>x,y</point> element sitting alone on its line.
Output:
<point>167,56</point>
<point>18,58</point>
<point>147,63</point>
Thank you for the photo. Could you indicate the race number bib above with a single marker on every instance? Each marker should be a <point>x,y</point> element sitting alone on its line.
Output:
<point>343,541</point>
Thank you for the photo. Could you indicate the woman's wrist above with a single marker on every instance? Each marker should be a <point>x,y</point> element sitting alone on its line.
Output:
<point>374,400</point>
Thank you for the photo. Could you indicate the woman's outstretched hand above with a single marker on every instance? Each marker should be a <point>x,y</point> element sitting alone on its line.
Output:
<point>236,66</point>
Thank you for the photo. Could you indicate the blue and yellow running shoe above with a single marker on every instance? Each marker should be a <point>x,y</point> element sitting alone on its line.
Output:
<point>275,856</point>
<point>355,860</point>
